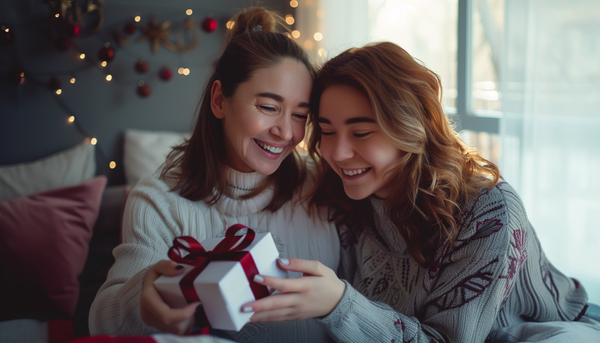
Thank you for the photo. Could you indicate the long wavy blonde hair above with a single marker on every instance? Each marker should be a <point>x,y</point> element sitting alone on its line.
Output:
<point>437,174</point>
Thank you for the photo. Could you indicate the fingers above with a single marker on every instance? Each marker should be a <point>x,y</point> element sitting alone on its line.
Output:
<point>273,302</point>
<point>168,268</point>
<point>282,285</point>
<point>308,267</point>
<point>155,312</point>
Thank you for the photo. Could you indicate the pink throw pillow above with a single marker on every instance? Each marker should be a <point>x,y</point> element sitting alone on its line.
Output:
<point>44,241</point>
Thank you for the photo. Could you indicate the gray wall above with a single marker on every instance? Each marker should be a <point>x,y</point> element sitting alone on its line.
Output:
<point>33,120</point>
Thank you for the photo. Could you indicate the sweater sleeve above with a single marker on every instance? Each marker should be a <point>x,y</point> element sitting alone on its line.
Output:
<point>148,230</point>
<point>463,288</point>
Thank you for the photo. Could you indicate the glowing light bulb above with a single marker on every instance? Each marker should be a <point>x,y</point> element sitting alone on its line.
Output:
<point>289,19</point>
<point>186,71</point>
<point>103,64</point>
<point>58,91</point>
<point>108,77</point>
<point>82,56</point>
<point>137,18</point>
<point>71,119</point>
<point>93,141</point>
<point>230,24</point>
<point>180,70</point>
<point>294,3</point>
<point>56,15</point>
<point>318,36</point>
<point>6,29</point>
<point>296,34</point>
<point>320,13</point>
<point>321,52</point>
<point>189,12</point>
<point>112,165</point>
<point>72,80</point>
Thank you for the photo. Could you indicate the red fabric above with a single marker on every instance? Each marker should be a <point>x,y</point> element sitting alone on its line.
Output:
<point>60,331</point>
<point>43,248</point>
<point>118,339</point>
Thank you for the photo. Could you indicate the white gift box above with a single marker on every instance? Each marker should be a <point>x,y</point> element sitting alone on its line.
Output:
<point>222,286</point>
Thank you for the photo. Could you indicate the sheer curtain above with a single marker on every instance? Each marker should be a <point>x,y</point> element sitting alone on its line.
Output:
<point>550,128</point>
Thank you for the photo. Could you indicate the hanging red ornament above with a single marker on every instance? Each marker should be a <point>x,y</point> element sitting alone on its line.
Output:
<point>62,44</point>
<point>7,36</point>
<point>209,24</point>
<point>129,28</point>
<point>141,66</point>
<point>15,77</point>
<point>73,30</point>
<point>143,89</point>
<point>54,84</point>
<point>106,53</point>
<point>165,74</point>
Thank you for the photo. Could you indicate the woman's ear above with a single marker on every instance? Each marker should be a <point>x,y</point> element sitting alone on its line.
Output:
<point>217,99</point>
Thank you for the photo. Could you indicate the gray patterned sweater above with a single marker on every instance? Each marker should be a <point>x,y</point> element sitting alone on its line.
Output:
<point>494,284</point>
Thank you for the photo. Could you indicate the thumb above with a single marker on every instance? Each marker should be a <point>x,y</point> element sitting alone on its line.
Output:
<point>168,268</point>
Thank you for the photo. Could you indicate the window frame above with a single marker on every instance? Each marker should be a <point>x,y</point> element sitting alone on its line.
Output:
<point>468,119</point>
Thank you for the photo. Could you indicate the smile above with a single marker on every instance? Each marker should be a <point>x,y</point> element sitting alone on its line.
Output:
<point>266,147</point>
<point>352,172</point>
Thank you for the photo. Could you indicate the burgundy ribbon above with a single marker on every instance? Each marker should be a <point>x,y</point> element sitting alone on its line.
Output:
<point>226,250</point>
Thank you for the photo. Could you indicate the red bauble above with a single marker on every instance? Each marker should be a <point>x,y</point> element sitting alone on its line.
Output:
<point>73,30</point>
<point>106,53</point>
<point>129,28</point>
<point>165,74</point>
<point>141,66</point>
<point>54,84</point>
<point>7,36</point>
<point>62,44</point>
<point>15,77</point>
<point>143,89</point>
<point>209,24</point>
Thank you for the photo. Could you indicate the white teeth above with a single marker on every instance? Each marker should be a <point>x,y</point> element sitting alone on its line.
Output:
<point>352,172</point>
<point>269,148</point>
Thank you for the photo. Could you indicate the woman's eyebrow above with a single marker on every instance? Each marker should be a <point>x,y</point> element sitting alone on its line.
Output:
<point>279,98</point>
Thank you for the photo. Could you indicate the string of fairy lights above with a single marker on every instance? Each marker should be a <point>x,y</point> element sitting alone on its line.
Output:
<point>156,33</point>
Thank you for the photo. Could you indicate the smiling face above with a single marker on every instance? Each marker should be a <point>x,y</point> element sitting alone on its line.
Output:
<point>353,143</point>
<point>265,118</point>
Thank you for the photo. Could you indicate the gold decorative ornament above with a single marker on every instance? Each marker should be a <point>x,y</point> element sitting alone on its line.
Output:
<point>157,34</point>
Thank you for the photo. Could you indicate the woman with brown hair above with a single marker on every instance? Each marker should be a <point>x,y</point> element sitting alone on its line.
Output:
<point>435,247</point>
<point>239,166</point>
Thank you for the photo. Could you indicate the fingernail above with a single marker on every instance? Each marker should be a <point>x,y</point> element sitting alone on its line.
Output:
<point>258,278</point>
<point>179,267</point>
<point>284,261</point>
<point>247,309</point>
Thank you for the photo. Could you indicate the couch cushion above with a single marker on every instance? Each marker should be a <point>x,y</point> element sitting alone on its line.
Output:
<point>44,241</point>
<point>65,168</point>
<point>145,151</point>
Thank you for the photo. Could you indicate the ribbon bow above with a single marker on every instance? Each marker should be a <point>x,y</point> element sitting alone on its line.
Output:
<point>226,250</point>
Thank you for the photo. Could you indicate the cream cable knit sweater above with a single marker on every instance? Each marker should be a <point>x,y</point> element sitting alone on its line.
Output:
<point>154,216</point>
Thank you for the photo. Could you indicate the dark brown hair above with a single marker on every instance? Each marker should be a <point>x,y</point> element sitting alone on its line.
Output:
<point>197,167</point>
<point>437,174</point>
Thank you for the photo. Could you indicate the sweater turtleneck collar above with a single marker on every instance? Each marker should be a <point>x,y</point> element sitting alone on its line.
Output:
<point>239,184</point>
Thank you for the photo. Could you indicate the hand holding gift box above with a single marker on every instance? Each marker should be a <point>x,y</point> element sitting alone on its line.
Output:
<point>219,273</point>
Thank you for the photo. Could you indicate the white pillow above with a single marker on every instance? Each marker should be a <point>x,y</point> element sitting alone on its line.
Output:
<point>145,151</point>
<point>65,168</point>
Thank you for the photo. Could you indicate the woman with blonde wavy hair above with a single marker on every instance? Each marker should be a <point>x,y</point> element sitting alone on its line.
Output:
<point>239,166</point>
<point>435,246</point>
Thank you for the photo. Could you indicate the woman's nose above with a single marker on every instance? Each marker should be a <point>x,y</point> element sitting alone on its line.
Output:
<point>342,149</point>
<point>282,127</point>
